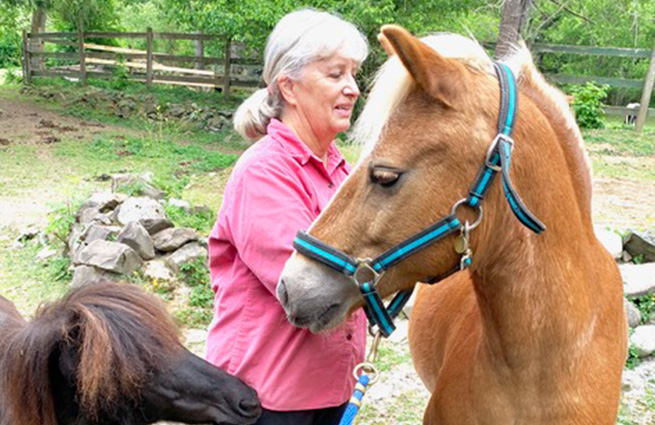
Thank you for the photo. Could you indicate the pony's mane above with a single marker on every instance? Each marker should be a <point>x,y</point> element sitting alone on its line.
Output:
<point>118,333</point>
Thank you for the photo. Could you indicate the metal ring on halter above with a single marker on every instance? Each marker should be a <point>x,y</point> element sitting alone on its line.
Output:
<point>370,369</point>
<point>475,224</point>
<point>364,265</point>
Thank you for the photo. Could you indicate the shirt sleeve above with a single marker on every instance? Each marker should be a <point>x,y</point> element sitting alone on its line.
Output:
<point>271,204</point>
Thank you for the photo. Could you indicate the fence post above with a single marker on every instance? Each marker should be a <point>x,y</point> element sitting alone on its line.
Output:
<point>199,50</point>
<point>149,57</point>
<point>27,72</point>
<point>228,67</point>
<point>80,36</point>
<point>645,96</point>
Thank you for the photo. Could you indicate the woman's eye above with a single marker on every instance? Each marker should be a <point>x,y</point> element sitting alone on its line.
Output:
<point>384,176</point>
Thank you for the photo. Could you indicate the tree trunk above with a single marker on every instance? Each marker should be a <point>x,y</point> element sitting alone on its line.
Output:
<point>515,17</point>
<point>39,17</point>
<point>199,49</point>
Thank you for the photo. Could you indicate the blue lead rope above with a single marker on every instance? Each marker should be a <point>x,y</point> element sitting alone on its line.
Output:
<point>355,401</point>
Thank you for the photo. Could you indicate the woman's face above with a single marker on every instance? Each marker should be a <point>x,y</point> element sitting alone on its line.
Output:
<point>325,95</point>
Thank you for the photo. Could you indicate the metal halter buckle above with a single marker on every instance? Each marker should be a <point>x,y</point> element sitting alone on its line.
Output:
<point>492,148</point>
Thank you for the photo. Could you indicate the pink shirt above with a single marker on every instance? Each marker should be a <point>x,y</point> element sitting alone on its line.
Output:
<point>278,186</point>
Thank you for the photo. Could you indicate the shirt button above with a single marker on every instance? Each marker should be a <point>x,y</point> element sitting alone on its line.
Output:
<point>330,185</point>
<point>349,337</point>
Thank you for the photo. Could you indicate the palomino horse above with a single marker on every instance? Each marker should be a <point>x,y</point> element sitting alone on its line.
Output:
<point>534,331</point>
<point>109,354</point>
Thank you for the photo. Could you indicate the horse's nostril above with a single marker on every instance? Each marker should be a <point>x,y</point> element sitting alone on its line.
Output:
<point>282,293</point>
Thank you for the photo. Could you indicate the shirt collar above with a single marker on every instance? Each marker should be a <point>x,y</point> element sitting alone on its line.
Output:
<point>299,150</point>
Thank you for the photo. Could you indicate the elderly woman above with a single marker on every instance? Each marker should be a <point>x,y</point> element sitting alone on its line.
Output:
<point>278,186</point>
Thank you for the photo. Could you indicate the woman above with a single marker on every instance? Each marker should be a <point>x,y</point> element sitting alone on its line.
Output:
<point>279,186</point>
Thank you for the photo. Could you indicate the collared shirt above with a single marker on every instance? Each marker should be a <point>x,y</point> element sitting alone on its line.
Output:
<point>277,187</point>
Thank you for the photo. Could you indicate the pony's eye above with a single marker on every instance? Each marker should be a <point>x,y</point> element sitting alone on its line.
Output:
<point>385,177</point>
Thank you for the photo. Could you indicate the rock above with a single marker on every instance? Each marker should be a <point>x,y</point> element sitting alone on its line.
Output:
<point>158,270</point>
<point>136,237</point>
<point>171,239</point>
<point>156,225</point>
<point>46,253</point>
<point>89,275</point>
<point>632,314</point>
<point>610,240</point>
<point>639,279</point>
<point>179,203</point>
<point>110,256</point>
<point>643,339</point>
<point>96,232</point>
<point>74,237</point>
<point>104,201</point>
<point>641,244</point>
<point>400,334</point>
<point>187,254</point>
<point>27,233</point>
<point>203,242</point>
<point>625,257</point>
<point>136,185</point>
<point>140,209</point>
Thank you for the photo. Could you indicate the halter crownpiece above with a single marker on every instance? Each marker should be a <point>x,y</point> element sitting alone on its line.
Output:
<point>367,272</point>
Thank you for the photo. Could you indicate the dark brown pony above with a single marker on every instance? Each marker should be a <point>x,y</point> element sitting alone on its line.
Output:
<point>534,332</point>
<point>109,354</point>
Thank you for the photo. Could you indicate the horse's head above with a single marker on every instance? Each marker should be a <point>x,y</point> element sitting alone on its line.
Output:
<point>428,126</point>
<point>109,353</point>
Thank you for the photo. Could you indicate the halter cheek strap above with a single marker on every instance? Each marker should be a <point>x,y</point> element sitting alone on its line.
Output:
<point>366,273</point>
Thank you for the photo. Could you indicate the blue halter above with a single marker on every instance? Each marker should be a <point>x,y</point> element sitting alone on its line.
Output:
<point>367,272</point>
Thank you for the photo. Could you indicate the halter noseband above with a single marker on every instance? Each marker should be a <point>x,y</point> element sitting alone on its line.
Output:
<point>367,272</point>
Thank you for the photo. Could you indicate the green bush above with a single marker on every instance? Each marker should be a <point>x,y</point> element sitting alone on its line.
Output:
<point>588,105</point>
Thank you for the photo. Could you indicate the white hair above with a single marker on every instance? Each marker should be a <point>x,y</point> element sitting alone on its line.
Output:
<point>298,38</point>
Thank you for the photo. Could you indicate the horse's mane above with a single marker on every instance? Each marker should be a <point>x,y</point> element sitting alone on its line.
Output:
<point>119,333</point>
<point>393,83</point>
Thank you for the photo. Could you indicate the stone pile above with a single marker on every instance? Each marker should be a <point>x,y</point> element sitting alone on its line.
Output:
<point>126,105</point>
<point>115,234</point>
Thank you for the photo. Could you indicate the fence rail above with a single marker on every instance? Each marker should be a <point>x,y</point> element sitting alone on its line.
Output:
<point>98,61</point>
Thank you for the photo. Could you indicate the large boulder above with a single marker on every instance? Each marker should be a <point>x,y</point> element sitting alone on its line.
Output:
<point>639,279</point>
<point>110,256</point>
<point>189,253</point>
<point>643,339</point>
<point>136,237</point>
<point>641,244</point>
<point>138,184</point>
<point>89,275</point>
<point>610,240</point>
<point>171,239</point>
<point>632,314</point>
<point>141,209</point>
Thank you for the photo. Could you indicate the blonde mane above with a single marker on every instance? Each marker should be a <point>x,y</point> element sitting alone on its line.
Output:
<point>392,83</point>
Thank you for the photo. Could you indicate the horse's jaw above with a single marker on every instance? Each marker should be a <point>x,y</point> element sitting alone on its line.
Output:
<point>315,297</point>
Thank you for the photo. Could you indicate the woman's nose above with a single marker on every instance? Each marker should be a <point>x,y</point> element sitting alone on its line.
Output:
<point>351,88</point>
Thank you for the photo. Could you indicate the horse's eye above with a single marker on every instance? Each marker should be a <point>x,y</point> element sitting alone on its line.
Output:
<point>384,176</point>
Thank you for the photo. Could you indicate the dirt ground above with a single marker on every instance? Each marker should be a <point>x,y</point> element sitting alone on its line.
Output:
<point>617,203</point>
<point>23,123</point>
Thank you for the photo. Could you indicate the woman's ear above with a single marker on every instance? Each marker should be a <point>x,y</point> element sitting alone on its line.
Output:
<point>287,86</point>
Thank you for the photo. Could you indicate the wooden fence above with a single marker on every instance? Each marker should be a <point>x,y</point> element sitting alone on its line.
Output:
<point>92,60</point>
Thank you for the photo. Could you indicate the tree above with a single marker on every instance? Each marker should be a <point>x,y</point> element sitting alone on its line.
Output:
<point>514,18</point>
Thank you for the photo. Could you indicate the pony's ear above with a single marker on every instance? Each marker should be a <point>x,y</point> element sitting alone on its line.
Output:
<point>436,74</point>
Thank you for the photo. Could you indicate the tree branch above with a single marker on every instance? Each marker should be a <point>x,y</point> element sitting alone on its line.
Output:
<point>572,12</point>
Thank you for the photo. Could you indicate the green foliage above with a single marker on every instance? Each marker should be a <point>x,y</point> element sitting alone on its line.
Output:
<point>121,77</point>
<point>588,105</point>
<point>61,219</point>
<point>201,219</point>
<point>199,309</point>
<point>646,306</point>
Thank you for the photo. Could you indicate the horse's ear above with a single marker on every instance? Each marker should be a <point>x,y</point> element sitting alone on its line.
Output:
<point>433,72</point>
